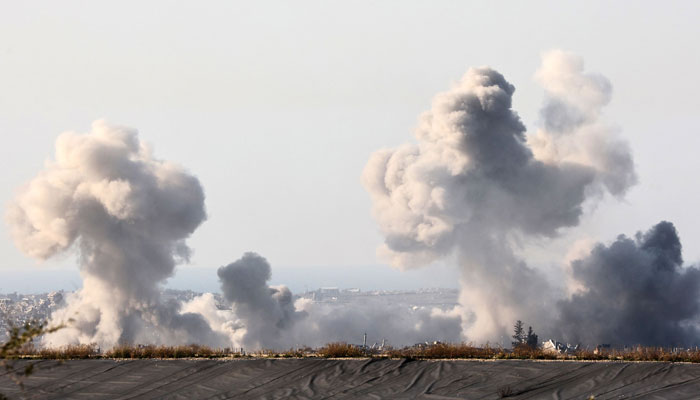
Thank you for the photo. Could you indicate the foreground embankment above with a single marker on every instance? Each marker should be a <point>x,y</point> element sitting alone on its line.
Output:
<point>353,378</point>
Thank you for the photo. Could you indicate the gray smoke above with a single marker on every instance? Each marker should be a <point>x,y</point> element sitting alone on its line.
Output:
<point>127,214</point>
<point>267,312</point>
<point>636,291</point>
<point>572,126</point>
<point>474,186</point>
<point>267,317</point>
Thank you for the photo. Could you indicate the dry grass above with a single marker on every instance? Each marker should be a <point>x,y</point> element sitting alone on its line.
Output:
<point>344,350</point>
<point>70,352</point>
<point>465,350</point>
<point>291,353</point>
<point>189,351</point>
<point>643,354</point>
<point>444,350</point>
<point>340,350</point>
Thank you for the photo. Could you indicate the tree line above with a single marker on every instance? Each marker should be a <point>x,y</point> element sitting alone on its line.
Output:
<point>522,338</point>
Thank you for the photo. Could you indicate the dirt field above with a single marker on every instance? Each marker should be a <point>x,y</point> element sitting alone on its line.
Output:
<point>358,378</point>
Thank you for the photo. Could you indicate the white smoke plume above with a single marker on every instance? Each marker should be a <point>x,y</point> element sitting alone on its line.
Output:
<point>573,130</point>
<point>127,214</point>
<point>474,186</point>
<point>262,316</point>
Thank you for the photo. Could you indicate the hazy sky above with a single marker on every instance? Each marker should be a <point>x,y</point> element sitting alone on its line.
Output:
<point>276,107</point>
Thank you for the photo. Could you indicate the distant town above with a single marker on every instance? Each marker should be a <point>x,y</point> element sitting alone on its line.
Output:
<point>17,309</point>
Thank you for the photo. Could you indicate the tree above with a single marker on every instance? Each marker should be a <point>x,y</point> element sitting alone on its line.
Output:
<point>532,340</point>
<point>518,334</point>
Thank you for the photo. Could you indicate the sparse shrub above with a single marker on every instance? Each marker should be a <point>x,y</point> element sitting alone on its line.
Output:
<point>293,353</point>
<point>340,349</point>
<point>505,391</point>
<point>151,351</point>
<point>80,351</point>
<point>20,342</point>
<point>435,350</point>
<point>446,350</point>
<point>525,351</point>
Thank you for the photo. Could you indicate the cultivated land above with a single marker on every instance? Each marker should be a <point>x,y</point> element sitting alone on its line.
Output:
<point>354,378</point>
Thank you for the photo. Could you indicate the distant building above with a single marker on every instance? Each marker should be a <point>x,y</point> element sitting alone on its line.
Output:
<point>601,348</point>
<point>329,291</point>
<point>552,346</point>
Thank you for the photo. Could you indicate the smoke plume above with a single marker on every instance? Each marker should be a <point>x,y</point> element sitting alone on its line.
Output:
<point>474,186</point>
<point>572,128</point>
<point>128,215</point>
<point>267,311</point>
<point>635,291</point>
<point>262,316</point>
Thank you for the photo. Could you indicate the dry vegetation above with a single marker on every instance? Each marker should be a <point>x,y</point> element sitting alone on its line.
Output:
<point>190,351</point>
<point>341,350</point>
<point>344,350</point>
<point>465,351</point>
<point>444,350</point>
<point>72,352</point>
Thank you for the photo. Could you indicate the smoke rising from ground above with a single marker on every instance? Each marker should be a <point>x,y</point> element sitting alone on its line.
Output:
<point>472,190</point>
<point>267,311</point>
<point>635,291</point>
<point>128,215</point>
<point>474,185</point>
<point>262,316</point>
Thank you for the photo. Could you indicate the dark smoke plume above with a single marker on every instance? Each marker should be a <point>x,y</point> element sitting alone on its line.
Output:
<point>635,291</point>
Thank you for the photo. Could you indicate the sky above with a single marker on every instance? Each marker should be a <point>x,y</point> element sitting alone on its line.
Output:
<point>277,106</point>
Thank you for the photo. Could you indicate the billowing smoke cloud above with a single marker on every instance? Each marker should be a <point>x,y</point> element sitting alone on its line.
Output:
<point>572,127</point>
<point>635,292</point>
<point>267,312</point>
<point>128,215</point>
<point>473,186</point>
<point>267,317</point>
